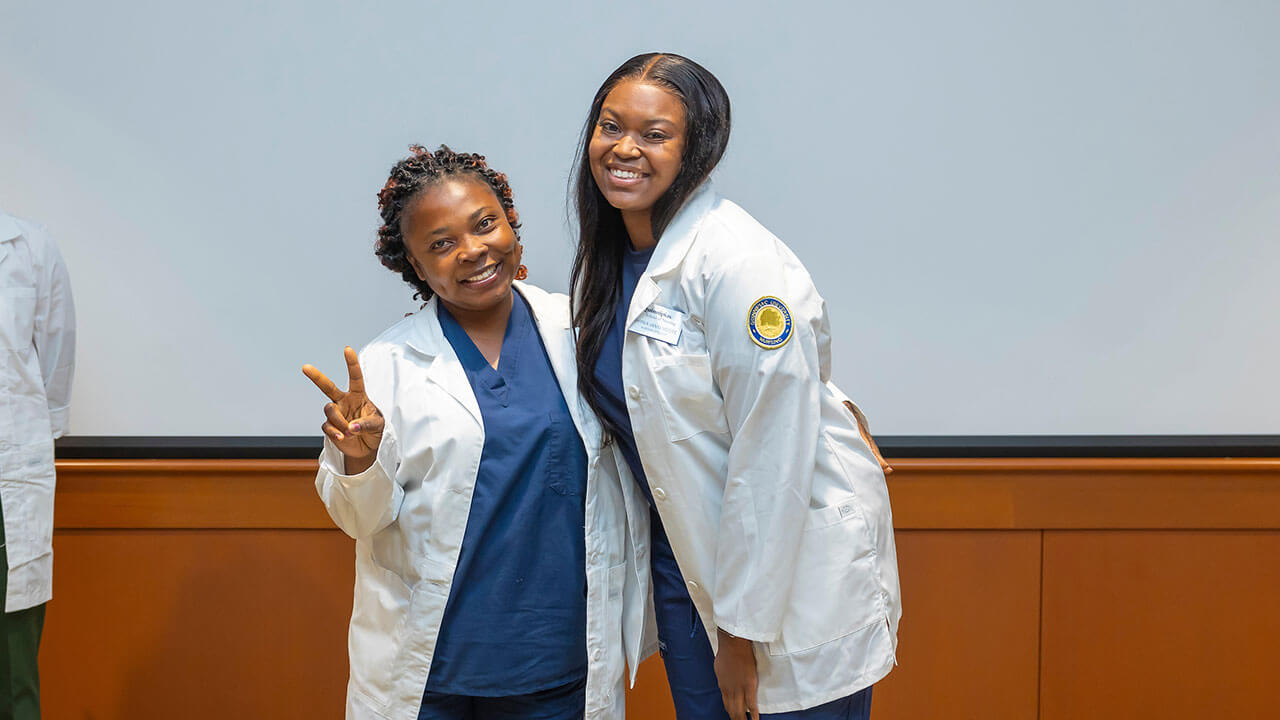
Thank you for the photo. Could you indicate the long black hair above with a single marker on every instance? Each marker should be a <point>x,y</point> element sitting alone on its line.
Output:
<point>595,285</point>
<point>407,179</point>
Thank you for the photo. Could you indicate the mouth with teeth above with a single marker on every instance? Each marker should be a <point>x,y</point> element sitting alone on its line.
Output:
<point>622,174</point>
<point>486,274</point>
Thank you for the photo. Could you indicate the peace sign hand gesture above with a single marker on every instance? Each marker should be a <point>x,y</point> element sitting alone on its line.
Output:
<point>353,422</point>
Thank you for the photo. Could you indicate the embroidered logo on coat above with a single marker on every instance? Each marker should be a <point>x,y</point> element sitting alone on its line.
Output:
<point>769,323</point>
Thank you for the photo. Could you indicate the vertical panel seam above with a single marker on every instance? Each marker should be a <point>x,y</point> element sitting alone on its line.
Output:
<point>1040,638</point>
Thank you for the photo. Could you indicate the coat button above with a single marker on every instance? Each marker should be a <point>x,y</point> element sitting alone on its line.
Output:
<point>659,494</point>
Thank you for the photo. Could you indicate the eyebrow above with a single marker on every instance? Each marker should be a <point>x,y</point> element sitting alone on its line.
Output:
<point>474,217</point>
<point>610,111</point>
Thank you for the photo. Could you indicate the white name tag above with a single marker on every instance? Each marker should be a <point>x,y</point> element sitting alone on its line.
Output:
<point>659,323</point>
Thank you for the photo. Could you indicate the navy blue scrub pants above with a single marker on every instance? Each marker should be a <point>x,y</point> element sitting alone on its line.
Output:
<point>686,651</point>
<point>567,702</point>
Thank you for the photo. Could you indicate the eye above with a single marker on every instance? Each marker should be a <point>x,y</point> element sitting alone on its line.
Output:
<point>609,126</point>
<point>438,244</point>
<point>656,136</point>
<point>486,223</point>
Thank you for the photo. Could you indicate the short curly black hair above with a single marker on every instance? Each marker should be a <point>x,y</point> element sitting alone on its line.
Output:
<point>407,180</point>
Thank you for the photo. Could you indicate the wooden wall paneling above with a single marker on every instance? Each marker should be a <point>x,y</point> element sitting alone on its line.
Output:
<point>969,639</point>
<point>197,624</point>
<point>1161,624</point>
<point>650,699</point>
<point>990,494</point>
<point>219,588</point>
<point>1036,493</point>
<point>189,494</point>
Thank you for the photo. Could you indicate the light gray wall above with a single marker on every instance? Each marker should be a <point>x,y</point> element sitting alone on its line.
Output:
<point>1048,217</point>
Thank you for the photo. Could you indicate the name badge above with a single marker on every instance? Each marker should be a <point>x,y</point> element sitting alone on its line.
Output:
<point>659,323</point>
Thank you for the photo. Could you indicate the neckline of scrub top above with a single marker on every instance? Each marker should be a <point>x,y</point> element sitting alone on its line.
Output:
<point>519,323</point>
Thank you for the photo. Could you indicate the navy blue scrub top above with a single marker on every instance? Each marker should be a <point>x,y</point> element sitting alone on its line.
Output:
<point>609,367</point>
<point>516,618</point>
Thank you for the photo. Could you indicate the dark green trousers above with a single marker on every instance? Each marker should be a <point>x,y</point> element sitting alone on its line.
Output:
<point>20,635</point>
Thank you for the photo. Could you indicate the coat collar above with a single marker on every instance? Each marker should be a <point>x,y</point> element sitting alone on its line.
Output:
<point>9,230</point>
<point>427,337</point>
<point>672,248</point>
<point>678,237</point>
<point>8,227</point>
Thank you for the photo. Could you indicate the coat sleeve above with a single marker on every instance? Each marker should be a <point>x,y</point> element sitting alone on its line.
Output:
<point>367,502</point>
<point>771,403</point>
<point>55,335</point>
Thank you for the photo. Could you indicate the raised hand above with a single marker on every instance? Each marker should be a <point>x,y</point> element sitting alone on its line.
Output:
<point>352,421</point>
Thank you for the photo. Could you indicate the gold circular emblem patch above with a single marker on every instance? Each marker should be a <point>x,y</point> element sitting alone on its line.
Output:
<point>769,323</point>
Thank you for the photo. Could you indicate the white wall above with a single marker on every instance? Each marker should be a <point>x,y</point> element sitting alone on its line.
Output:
<point>1026,217</point>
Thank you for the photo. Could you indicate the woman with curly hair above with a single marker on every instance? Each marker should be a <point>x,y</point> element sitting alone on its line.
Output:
<point>705,349</point>
<point>489,519</point>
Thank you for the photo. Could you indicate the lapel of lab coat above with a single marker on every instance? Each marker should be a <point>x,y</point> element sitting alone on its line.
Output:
<point>445,370</point>
<point>672,247</point>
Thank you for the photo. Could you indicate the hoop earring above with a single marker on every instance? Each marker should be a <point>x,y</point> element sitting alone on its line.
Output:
<point>522,272</point>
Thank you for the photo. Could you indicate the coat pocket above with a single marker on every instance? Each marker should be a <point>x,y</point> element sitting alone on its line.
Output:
<point>561,475</point>
<point>687,393</point>
<point>17,322</point>
<point>380,610</point>
<point>836,579</point>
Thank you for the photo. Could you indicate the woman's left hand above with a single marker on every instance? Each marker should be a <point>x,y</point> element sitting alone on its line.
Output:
<point>736,671</point>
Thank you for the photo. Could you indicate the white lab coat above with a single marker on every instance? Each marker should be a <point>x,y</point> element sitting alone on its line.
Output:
<point>776,508</point>
<point>37,340</point>
<point>409,510</point>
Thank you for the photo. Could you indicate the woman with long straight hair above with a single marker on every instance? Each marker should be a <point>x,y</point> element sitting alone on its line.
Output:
<point>704,347</point>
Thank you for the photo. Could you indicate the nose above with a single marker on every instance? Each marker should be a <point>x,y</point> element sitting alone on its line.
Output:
<point>626,147</point>
<point>470,249</point>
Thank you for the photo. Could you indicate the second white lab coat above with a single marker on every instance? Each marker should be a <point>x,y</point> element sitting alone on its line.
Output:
<point>408,513</point>
<point>37,345</point>
<point>776,508</point>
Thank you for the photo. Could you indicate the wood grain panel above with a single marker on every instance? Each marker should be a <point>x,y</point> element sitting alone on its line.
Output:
<point>650,699</point>
<point>1011,494</point>
<point>968,642</point>
<point>197,624</point>
<point>189,494</point>
<point>1095,493</point>
<point>1161,625</point>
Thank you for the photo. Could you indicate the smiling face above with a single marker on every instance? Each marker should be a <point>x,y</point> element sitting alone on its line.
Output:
<point>459,241</point>
<point>637,144</point>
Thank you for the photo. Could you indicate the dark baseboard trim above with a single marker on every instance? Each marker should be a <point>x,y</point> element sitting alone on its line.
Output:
<point>134,447</point>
